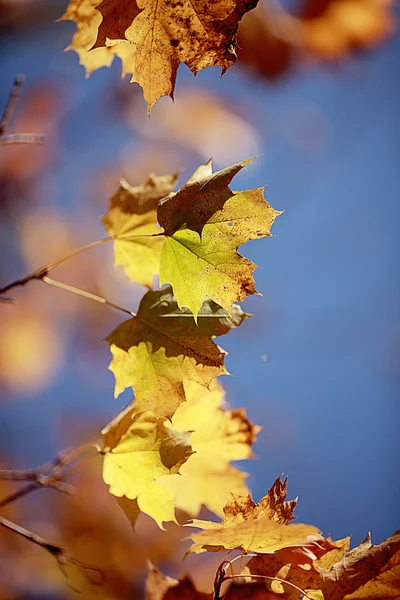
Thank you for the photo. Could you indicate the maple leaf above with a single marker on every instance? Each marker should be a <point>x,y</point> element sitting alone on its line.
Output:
<point>261,528</point>
<point>160,348</point>
<point>205,223</point>
<point>88,19</point>
<point>153,37</point>
<point>198,199</point>
<point>132,212</point>
<point>367,572</point>
<point>219,436</point>
<point>273,506</point>
<point>140,447</point>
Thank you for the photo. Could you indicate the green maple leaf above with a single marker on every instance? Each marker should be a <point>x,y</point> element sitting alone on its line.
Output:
<point>205,223</point>
<point>160,348</point>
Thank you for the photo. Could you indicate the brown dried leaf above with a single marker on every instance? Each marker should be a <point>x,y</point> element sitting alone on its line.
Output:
<point>261,528</point>
<point>367,572</point>
<point>273,506</point>
<point>152,37</point>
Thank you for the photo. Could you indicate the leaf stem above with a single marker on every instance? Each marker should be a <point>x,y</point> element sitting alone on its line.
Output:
<point>33,537</point>
<point>77,251</point>
<point>79,292</point>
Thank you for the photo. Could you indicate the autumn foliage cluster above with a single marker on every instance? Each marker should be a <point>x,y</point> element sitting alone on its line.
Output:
<point>169,454</point>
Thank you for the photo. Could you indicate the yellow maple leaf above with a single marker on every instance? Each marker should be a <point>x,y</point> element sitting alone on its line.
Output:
<point>261,536</point>
<point>152,37</point>
<point>138,449</point>
<point>250,527</point>
<point>145,456</point>
<point>219,436</point>
<point>87,19</point>
<point>205,224</point>
<point>132,212</point>
<point>160,348</point>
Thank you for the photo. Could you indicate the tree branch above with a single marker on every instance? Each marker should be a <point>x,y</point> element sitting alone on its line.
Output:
<point>49,475</point>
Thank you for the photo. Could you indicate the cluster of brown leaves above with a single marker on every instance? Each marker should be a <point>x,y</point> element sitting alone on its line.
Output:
<point>287,560</point>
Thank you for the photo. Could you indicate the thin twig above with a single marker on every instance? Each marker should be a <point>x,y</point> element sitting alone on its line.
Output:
<point>62,461</point>
<point>112,238</point>
<point>55,263</point>
<point>28,474</point>
<point>41,272</point>
<point>49,475</point>
<point>24,280</point>
<point>33,537</point>
<point>79,292</point>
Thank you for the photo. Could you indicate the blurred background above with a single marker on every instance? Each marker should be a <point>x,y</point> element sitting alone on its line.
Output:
<point>315,93</point>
